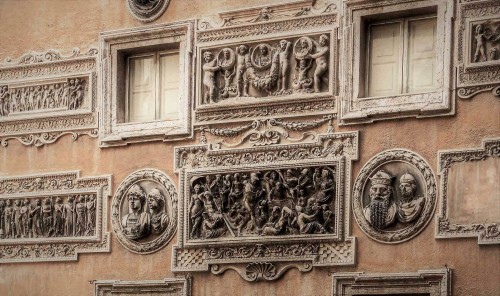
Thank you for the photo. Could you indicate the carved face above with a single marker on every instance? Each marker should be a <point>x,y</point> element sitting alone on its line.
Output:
<point>242,49</point>
<point>323,39</point>
<point>8,202</point>
<point>380,192</point>
<point>17,202</point>
<point>196,188</point>
<point>226,54</point>
<point>26,202</point>
<point>303,43</point>
<point>283,44</point>
<point>324,173</point>
<point>207,56</point>
<point>407,189</point>
<point>263,50</point>
<point>134,202</point>
<point>38,202</point>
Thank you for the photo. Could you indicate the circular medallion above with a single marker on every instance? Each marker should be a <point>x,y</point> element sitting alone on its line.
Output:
<point>394,196</point>
<point>147,10</point>
<point>144,211</point>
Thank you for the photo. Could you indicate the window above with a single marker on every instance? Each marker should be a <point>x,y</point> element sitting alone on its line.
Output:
<point>396,60</point>
<point>401,56</point>
<point>153,87</point>
<point>146,84</point>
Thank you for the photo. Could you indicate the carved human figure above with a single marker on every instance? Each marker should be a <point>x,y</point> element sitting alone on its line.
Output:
<point>225,190</point>
<point>47,225</point>
<point>309,222</point>
<point>326,190</point>
<point>25,219</point>
<point>36,216</point>
<point>321,59</point>
<point>210,67</point>
<point>80,216</point>
<point>494,54</point>
<point>159,219</point>
<point>283,57</point>
<point>2,228</point>
<point>137,223</point>
<point>16,217</point>
<point>69,217</point>
<point>196,207</point>
<point>302,81</point>
<point>4,100</point>
<point>242,65</point>
<point>481,38</point>
<point>58,217</point>
<point>262,58</point>
<point>75,94</point>
<point>236,189</point>
<point>213,225</point>
<point>409,206</point>
<point>239,217</point>
<point>8,219</point>
<point>252,194</point>
<point>381,211</point>
<point>91,211</point>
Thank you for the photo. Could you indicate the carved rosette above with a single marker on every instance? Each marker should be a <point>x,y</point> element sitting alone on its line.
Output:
<point>53,217</point>
<point>222,229</point>
<point>144,211</point>
<point>394,196</point>
<point>147,10</point>
<point>487,233</point>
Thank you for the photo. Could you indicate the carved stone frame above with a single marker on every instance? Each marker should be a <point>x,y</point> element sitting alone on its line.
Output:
<point>436,282</point>
<point>267,258</point>
<point>152,287</point>
<point>355,109</point>
<point>46,126</point>
<point>430,195</point>
<point>144,39</point>
<point>486,233</point>
<point>473,78</point>
<point>56,248</point>
<point>120,194</point>
<point>261,24</point>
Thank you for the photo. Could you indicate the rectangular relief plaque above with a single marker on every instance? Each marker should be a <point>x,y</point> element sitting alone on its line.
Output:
<point>44,96</point>
<point>168,286</point>
<point>274,61</point>
<point>52,217</point>
<point>469,204</point>
<point>265,206</point>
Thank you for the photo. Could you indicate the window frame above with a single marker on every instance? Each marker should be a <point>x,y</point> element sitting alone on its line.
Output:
<point>157,73</point>
<point>115,48</point>
<point>355,107</point>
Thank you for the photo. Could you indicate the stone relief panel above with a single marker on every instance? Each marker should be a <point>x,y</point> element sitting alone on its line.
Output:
<point>147,10</point>
<point>44,96</point>
<point>144,211</point>
<point>281,61</point>
<point>52,217</point>
<point>168,286</point>
<point>469,203</point>
<point>478,43</point>
<point>435,282</point>
<point>394,196</point>
<point>263,209</point>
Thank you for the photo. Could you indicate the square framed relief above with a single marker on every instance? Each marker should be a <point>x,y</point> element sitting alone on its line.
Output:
<point>264,62</point>
<point>478,52</point>
<point>397,60</point>
<point>146,83</point>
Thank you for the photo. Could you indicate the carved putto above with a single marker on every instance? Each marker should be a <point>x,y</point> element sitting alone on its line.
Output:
<point>394,196</point>
<point>263,203</point>
<point>485,41</point>
<point>272,68</point>
<point>145,211</point>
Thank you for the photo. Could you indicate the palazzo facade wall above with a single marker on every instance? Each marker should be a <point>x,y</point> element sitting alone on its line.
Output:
<point>279,174</point>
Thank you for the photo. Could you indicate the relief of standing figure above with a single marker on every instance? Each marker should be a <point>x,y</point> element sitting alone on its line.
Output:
<point>210,67</point>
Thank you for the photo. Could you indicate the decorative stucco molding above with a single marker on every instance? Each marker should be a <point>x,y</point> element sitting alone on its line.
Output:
<point>46,95</point>
<point>265,62</point>
<point>144,211</point>
<point>355,106</point>
<point>147,10</point>
<point>478,53</point>
<point>436,282</point>
<point>237,205</point>
<point>53,216</point>
<point>168,286</point>
<point>394,196</point>
<point>115,47</point>
<point>487,233</point>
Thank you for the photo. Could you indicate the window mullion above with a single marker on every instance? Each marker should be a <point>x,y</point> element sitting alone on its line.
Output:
<point>404,57</point>
<point>157,86</point>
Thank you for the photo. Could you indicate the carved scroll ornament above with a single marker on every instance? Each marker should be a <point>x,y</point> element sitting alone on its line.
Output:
<point>52,217</point>
<point>394,196</point>
<point>253,209</point>
<point>144,211</point>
